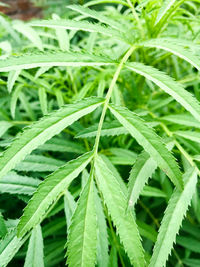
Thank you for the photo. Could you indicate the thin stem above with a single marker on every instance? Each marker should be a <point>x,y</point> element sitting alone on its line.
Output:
<point>149,212</point>
<point>108,96</point>
<point>158,225</point>
<point>177,144</point>
<point>180,148</point>
<point>21,122</point>
<point>136,18</point>
<point>186,155</point>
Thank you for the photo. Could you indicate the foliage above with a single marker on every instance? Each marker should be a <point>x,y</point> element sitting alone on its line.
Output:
<point>99,135</point>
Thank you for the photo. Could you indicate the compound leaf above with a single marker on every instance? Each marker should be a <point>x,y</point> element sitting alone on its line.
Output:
<point>41,131</point>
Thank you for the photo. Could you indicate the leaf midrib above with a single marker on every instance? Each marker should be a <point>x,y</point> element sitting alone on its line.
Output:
<point>84,227</point>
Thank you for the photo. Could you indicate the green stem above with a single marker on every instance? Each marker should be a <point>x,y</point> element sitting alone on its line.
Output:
<point>150,213</point>
<point>136,18</point>
<point>180,148</point>
<point>108,96</point>
<point>21,122</point>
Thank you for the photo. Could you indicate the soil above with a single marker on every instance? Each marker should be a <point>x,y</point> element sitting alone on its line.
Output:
<point>21,9</point>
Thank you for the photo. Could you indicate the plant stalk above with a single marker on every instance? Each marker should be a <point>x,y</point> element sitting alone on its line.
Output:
<point>108,96</point>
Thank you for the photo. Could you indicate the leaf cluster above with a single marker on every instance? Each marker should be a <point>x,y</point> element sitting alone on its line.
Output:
<point>99,136</point>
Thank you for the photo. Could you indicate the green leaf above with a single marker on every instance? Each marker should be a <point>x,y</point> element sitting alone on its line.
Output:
<point>41,131</point>
<point>41,71</point>
<point>150,191</point>
<point>69,206</point>
<point>29,32</point>
<point>109,129</point>
<point>14,98</point>
<point>54,252</point>
<point>150,141</point>
<point>116,202</point>
<point>59,97</point>
<point>102,235</point>
<point>13,183</point>
<point>189,242</point>
<point>4,126</point>
<point>51,227</point>
<point>147,231</point>
<point>182,119</point>
<point>115,172</point>
<point>27,107</point>
<point>49,191</point>
<point>6,25</point>
<point>12,77</point>
<point>173,46</point>
<point>84,90</point>
<point>34,255</point>
<point>61,145</point>
<point>171,87</point>
<point>49,59</point>
<point>97,15</point>
<point>43,100</point>
<point>192,136</point>
<point>62,36</point>
<point>9,246</point>
<point>163,10</point>
<point>196,157</point>
<point>82,238</point>
<point>121,156</point>
<point>191,262</point>
<point>80,25</point>
<point>143,168</point>
<point>37,163</point>
<point>171,222</point>
<point>3,228</point>
<point>96,2</point>
<point>113,259</point>
<point>3,4</point>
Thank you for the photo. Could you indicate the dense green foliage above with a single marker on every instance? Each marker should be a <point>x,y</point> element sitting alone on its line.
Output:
<point>100,135</point>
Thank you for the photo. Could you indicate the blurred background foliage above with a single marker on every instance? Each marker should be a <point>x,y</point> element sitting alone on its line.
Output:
<point>34,93</point>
